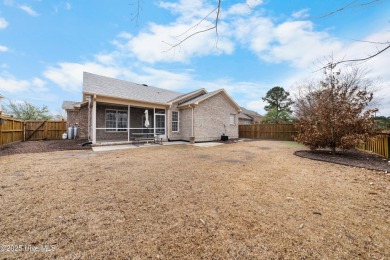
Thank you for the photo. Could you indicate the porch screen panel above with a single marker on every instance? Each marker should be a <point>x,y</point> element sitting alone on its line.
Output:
<point>110,120</point>
<point>122,120</point>
<point>116,120</point>
<point>160,124</point>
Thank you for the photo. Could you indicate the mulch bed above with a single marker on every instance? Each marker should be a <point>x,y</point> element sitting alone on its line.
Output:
<point>353,157</point>
<point>43,146</point>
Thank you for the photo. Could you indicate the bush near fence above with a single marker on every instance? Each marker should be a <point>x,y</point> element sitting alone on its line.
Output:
<point>285,132</point>
<point>14,130</point>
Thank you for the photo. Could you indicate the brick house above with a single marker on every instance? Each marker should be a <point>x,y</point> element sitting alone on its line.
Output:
<point>114,110</point>
<point>249,117</point>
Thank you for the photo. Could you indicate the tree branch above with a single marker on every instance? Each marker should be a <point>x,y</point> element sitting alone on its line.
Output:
<point>216,22</point>
<point>349,6</point>
<point>357,60</point>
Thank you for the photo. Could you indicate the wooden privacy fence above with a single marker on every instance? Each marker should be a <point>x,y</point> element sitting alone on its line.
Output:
<point>268,131</point>
<point>13,130</point>
<point>379,145</point>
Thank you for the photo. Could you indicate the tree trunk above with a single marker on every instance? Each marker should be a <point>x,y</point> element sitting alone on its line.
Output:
<point>333,149</point>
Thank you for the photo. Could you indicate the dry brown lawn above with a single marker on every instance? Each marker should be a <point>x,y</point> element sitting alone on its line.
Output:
<point>252,200</point>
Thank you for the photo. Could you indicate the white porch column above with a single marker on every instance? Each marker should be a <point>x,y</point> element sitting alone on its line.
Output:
<point>192,128</point>
<point>128,123</point>
<point>94,120</point>
<point>154,121</point>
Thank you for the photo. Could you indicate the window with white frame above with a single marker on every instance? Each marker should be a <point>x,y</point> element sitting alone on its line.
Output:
<point>232,119</point>
<point>116,120</point>
<point>175,121</point>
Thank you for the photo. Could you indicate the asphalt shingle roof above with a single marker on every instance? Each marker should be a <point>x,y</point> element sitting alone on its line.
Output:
<point>202,97</point>
<point>244,116</point>
<point>69,104</point>
<point>249,112</point>
<point>105,86</point>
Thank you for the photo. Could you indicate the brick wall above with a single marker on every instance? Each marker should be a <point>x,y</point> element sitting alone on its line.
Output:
<point>185,124</point>
<point>83,122</point>
<point>79,117</point>
<point>210,117</point>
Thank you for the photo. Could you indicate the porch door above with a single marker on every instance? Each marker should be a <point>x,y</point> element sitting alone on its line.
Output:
<point>160,125</point>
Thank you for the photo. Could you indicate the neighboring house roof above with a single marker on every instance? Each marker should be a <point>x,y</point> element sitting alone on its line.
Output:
<point>243,116</point>
<point>110,87</point>
<point>204,97</point>
<point>249,112</point>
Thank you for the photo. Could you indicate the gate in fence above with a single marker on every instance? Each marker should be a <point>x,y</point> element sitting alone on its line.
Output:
<point>14,130</point>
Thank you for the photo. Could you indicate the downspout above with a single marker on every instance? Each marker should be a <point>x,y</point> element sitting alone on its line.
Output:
<point>192,137</point>
<point>89,117</point>
<point>193,122</point>
<point>167,123</point>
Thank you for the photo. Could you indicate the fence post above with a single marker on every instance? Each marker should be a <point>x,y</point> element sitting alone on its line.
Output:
<point>45,131</point>
<point>24,131</point>
<point>388,146</point>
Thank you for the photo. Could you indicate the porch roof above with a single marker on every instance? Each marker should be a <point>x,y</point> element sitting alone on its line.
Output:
<point>110,87</point>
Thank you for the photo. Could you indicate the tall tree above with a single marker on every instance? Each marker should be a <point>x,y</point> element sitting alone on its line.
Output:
<point>28,111</point>
<point>275,117</point>
<point>336,112</point>
<point>279,105</point>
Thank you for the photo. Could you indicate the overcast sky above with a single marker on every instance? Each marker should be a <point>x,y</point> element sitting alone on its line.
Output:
<point>46,45</point>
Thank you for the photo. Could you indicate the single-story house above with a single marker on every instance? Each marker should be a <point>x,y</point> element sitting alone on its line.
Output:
<point>114,110</point>
<point>249,117</point>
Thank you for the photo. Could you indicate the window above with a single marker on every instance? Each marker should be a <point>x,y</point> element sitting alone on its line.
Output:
<point>232,119</point>
<point>116,120</point>
<point>175,121</point>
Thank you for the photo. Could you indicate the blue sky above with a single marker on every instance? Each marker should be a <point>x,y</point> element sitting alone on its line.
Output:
<point>46,45</point>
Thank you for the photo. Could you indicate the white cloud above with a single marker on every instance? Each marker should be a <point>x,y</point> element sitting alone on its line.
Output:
<point>254,32</point>
<point>10,84</point>
<point>188,9</point>
<point>154,45</point>
<point>3,48</point>
<point>28,10</point>
<point>296,43</point>
<point>304,13</point>
<point>69,76</point>
<point>3,23</point>
<point>38,85</point>
<point>256,105</point>
<point>254,3</point>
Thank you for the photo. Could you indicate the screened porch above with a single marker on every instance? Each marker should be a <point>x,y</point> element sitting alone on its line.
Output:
<point>120,123</point>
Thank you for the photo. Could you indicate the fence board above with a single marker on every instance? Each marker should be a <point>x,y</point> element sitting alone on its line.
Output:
<point>379,145</point>
<point>11,131</point>
<point>14,130</point>
<point>268,131</point>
